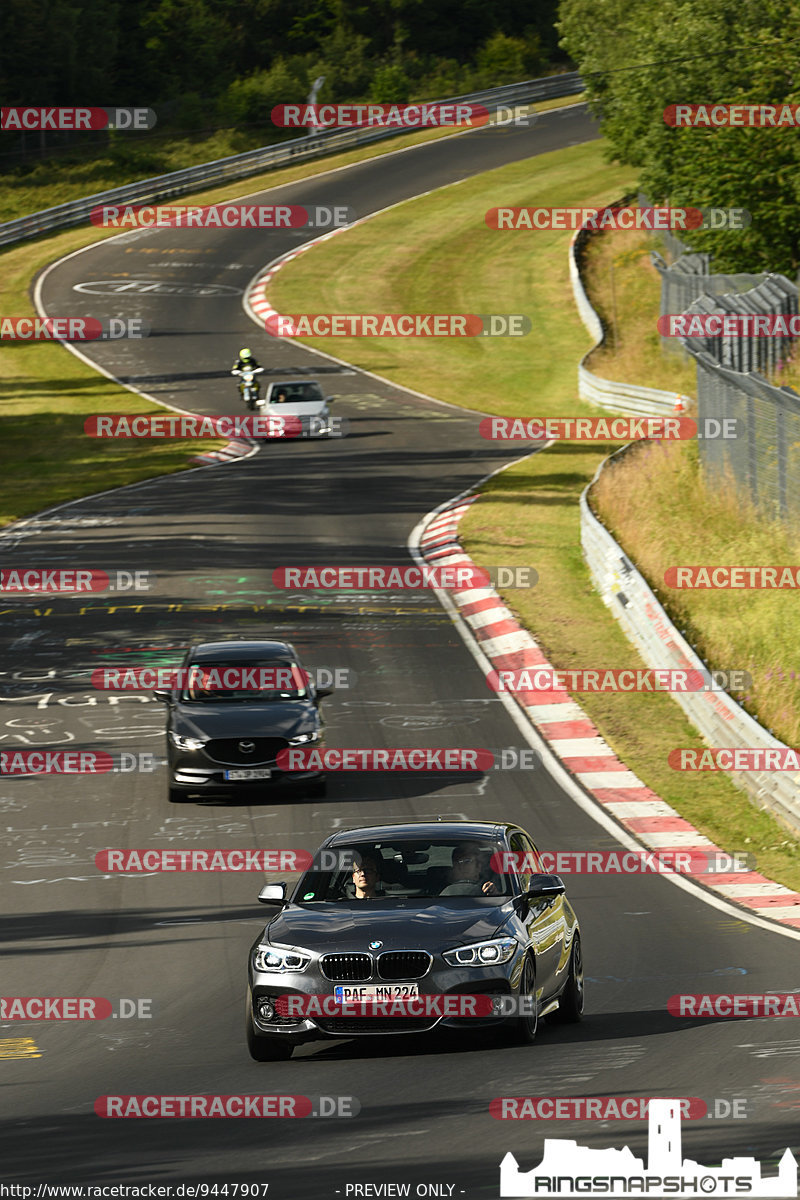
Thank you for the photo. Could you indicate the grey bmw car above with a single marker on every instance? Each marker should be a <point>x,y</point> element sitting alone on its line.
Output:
<point>412,912</point>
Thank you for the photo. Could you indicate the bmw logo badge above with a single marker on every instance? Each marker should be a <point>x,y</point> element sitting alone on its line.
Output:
<point>375,945</point>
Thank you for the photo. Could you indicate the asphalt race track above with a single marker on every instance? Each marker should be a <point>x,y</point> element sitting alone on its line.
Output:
<point>211,539</point>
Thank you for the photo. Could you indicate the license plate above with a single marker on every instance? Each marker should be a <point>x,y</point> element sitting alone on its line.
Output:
<point>262,773</point>
<point>352,994</point>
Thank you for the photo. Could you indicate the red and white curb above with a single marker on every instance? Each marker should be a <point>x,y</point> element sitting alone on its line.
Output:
<point>236,448</point>
<point>576,741</point>
<point>255,300</point>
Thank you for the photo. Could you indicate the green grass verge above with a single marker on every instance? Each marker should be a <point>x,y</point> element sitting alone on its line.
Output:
<point>436,255</point>
<point>46,393</point>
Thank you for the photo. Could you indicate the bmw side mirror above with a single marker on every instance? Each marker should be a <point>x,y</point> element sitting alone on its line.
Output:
<point>329,399</point>
<point>163,696</point>
<point>273,893</point>
<point>546,885</point>
<point>323,692</point>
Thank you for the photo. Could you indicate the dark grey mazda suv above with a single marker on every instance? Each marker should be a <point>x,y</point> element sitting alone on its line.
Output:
<point>235,706</point>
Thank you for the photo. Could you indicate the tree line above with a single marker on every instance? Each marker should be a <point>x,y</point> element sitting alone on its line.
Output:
<point>209,62</point>
<point>638,58</point>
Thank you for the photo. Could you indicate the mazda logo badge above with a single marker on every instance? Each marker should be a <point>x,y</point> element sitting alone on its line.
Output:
<point>247,747</point>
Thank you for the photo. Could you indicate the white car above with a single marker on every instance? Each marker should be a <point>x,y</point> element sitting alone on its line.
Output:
<point>300,398</point>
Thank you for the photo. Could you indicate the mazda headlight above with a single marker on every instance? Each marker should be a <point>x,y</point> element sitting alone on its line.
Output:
<point>482,954</point>
<point>279,959</point>
<point>302,739</point>
<point>186,743</point>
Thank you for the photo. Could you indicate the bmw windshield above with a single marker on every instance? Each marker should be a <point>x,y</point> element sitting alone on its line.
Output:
<point>403,870</point>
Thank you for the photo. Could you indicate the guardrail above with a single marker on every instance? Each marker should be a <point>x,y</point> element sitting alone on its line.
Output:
<point>624,590</point>
<point>610,394</point>
<point>253,162</point>
<point>720,720</point>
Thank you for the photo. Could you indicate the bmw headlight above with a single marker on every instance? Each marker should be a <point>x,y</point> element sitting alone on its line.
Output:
<point>186,743</point>
<point>302,739</point>
<point>279,959</point>
<point>482,954</point>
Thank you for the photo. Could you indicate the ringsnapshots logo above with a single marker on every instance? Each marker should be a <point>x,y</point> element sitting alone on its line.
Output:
<point>188,426</point>
<point>451,577</point>
<point>570,1170</point>
<point>75,119</point>
<point>222,216</point>
<point>399,325</point>
<point>379,116</point>
<point>71,329</point>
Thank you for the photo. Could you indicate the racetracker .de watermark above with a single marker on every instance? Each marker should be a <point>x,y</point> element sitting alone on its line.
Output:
<point>223,216</point>
<point>617,679</point>
<point>587,429</point>
<point>765,1004</point>
<point>76,119</point>
<point>724,116</point>
<point>71,329</point>
<point>735,758</point>
<point>745,325</point>
<point>73,1008</point>
<point>189,426</point>
<point>401,325</point>
<point>158,859</point>
<point>618,218</point>
<point>232,679</point>
<point>726,576</point>
<point>72,580</point>
<point>206,1106</point>
<point>623,862</point>
<point>26,763</point>
<point>454,577</point>
<point>601,1108</point>
<point>417,758</point>
<point>381,116</point>
<point>353,1002</point>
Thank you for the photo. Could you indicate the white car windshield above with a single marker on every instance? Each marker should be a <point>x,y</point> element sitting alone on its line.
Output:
<point>296,393</point>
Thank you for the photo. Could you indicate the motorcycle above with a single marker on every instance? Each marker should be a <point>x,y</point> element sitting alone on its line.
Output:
<point>249,389</point>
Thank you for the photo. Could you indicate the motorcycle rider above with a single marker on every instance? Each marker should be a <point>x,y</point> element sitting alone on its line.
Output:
<point>245,359</point>
<point>247,362</point>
